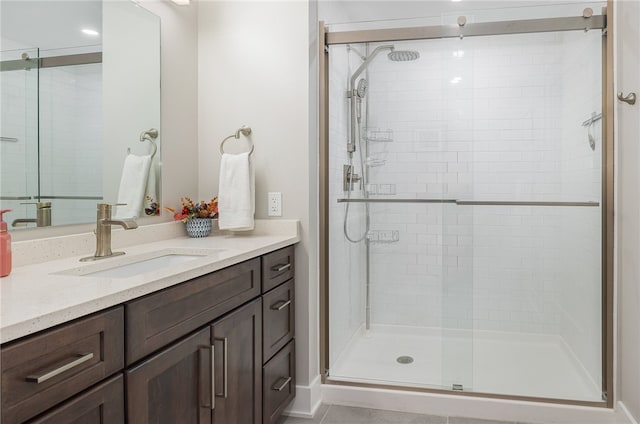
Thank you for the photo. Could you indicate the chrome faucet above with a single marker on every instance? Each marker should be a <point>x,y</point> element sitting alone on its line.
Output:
<point>103,232</point>
<point>43,216</point>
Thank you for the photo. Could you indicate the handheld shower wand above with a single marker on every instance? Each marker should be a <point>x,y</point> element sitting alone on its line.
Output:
<point>353,94</point>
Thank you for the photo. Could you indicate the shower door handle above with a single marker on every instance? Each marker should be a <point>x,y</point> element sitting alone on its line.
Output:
<point>629,98</point>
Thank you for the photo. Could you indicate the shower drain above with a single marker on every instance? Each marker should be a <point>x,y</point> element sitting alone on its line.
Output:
<point>404,359</point>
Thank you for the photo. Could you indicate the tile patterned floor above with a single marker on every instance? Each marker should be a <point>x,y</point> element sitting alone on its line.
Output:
<point>334,414</point>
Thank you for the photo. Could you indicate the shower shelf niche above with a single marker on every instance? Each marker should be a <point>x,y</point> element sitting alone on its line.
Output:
<point>378,135</point>
<point>383,236</point>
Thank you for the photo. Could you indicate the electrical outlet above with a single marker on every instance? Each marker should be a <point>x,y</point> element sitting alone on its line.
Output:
<point>274,203</point>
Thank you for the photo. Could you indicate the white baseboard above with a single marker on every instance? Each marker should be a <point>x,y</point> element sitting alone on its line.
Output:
<point>470,407</point>
<point>627,414</point>
<point>307,401</point>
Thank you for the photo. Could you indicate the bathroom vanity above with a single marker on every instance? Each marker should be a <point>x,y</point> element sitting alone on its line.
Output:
<point>215,344</point>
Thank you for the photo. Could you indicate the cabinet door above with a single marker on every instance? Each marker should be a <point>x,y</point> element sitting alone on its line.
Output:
<point>173,386</point>
<point>237,342</point>
<point>102,404</point>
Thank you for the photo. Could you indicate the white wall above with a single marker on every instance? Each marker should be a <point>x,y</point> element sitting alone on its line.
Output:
<point>628,207</point>
<point>254,69</point>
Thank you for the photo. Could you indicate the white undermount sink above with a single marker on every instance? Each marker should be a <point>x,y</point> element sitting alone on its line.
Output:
<point>129,266</point>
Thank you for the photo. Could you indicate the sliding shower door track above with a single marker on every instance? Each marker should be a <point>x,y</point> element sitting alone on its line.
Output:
<point>471,202</point>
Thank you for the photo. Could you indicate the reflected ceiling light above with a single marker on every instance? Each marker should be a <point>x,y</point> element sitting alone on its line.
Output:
<point>456,1</point>
<point>455,80</point>
<point>89,31</point>
<point>181,2</point>
<point>458,53</point>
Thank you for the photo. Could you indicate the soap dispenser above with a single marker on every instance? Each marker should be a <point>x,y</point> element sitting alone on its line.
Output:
<point>5,246</point>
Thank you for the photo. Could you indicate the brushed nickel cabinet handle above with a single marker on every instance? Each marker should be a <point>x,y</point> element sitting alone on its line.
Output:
<point>629,98</point>
<point>59,368</point>
<point>225,367</point>
<point>203,383</point>
<point>279,388</point>
<point>280,305</point>
<point>213,377</point>
<point>280,268</point>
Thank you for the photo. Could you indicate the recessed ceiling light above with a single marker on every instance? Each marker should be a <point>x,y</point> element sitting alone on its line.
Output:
<point>456,1</point>
<point>181,2</point>
<point>458,53</point>
<point>91,32</point>
<point>455,80</point>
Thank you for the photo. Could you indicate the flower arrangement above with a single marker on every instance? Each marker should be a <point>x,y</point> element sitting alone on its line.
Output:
<point>152,208</point>
<point>191,210</point>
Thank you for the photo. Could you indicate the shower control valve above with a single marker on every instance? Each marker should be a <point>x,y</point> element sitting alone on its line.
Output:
<point>349,178</point>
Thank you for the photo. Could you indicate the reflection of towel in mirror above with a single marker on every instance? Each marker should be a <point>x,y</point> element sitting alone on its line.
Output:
<point>133,185</point>
<point>236,199</point>
<point>152,183</point>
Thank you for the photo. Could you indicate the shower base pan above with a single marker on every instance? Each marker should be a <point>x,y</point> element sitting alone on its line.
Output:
<point>504,363</point>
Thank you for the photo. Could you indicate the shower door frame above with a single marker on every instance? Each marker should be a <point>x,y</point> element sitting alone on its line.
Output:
<point>603,22</point>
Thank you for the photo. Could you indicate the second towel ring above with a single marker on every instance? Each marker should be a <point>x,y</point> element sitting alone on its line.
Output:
<point>244,130</point>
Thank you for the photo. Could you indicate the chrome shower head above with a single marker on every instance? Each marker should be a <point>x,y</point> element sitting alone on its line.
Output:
<point>403,55</point>
<point>361,91</point>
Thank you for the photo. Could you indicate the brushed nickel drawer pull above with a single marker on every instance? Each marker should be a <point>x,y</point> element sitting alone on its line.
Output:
<point>225,367</point>
<point>61,367</point>
<point>280,268</point>
<point>213,378</point>
<point>281,386</point>
<point>280,305</point>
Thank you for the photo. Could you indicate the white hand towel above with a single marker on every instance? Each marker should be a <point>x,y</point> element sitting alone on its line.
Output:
<point>236,199</point>
<point>152,181</point>
<point>133,185</point>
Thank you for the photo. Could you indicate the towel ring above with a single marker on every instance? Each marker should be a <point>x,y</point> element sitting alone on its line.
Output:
<point>150,136</point>
<point>244,130</point>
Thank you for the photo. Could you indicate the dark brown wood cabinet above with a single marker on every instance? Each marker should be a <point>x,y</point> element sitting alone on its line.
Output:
<point>279,377</point>
<point>173,386</point>
<point>217,349</point>
<point>237,347</point>
<point>158,319</point>
<point>100,405</point>
<point>42,370</point>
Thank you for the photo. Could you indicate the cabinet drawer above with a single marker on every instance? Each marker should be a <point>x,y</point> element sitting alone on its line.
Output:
<point>45,369</point>
<point>278,323</point>
<point>102,404</point>
<point>277,267</point>
<point>160,318</point>
<point>279,383</point>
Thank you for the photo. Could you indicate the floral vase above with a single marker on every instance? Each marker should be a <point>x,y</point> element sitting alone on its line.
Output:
<point>199,227</point>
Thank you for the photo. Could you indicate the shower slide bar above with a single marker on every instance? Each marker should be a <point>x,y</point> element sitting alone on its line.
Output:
<point>471,202</point>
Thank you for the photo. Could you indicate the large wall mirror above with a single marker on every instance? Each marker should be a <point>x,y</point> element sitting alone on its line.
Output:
<point>79,84</point>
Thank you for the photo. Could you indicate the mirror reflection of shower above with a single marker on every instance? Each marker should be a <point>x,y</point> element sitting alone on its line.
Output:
<point>356,93</point>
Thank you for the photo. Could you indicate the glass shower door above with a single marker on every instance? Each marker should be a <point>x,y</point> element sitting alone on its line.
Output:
<point>19,131</point>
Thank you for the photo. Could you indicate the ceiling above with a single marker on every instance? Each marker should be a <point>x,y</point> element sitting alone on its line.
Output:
<point>49,24</point>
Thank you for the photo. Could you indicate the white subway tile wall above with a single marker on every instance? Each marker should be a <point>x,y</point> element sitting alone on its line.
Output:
<point>482,118</point>
<point>66,102</point>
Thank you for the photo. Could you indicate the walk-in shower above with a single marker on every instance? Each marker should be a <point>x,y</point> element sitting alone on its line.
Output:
<point>466,242</point>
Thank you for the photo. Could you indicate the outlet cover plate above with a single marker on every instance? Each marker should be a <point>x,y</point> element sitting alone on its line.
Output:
<point>274,202</point>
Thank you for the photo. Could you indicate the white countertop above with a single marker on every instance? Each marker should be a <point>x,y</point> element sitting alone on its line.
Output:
<point>34,297</point>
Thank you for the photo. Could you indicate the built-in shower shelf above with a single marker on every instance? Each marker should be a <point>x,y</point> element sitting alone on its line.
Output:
<point>378,135</point>
<point>381,189</point>
<point>383,236</point>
